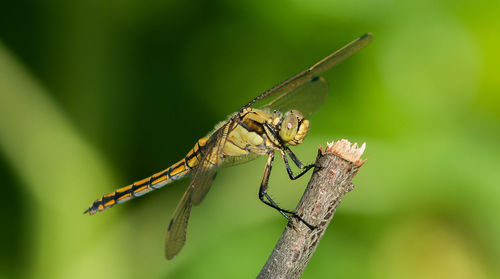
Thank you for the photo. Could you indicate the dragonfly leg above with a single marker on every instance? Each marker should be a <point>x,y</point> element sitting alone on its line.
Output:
<point>297,162</point>
<point>275,206</point>
<point>265,198</point>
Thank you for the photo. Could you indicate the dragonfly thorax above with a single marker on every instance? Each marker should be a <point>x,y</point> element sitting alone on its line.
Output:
<point>293,127</point>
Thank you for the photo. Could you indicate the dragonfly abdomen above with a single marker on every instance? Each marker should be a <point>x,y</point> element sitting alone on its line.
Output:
<point>156,181</point>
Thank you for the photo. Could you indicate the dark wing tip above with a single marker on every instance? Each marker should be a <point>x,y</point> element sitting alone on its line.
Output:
<point>367,35</point>
<point>170,256</point>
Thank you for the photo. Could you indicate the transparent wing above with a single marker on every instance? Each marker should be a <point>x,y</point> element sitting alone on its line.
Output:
<point>307,98</point>
<point>202,177</point>
<point>238,160</point>
<point>176,232</point>
<point>207,169</point>
<point>310,74</point>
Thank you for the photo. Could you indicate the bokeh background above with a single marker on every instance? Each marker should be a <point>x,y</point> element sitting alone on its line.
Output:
<point>97,94</point>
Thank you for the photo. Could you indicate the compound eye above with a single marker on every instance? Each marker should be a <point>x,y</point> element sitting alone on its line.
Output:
<point>289,126</point>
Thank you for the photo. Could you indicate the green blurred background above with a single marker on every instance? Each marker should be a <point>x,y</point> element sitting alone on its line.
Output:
<point>97,94</point>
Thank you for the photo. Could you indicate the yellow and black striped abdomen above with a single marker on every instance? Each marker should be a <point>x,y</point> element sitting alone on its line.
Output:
<point>158,180</point>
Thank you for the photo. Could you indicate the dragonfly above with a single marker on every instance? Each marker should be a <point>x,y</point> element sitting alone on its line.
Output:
<point>270,123</point>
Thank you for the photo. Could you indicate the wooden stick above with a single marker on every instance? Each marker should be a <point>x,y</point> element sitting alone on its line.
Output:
<point>331,180</point>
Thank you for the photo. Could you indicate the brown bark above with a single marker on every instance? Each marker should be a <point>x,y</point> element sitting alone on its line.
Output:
<point>331,180</point>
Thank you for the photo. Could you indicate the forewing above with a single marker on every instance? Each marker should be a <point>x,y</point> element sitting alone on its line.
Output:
<point>176,232</point>
<point>313,72</point>
<point>307,98</point>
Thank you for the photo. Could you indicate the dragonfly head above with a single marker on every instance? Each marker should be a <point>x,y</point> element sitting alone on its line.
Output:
<point>294,127</point>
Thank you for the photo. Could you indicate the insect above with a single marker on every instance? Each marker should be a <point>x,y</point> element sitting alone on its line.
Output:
<point>273,121</point>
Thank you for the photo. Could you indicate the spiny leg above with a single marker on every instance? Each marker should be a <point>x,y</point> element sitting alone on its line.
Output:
<point>297,162</point>
<point>270,202</point>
